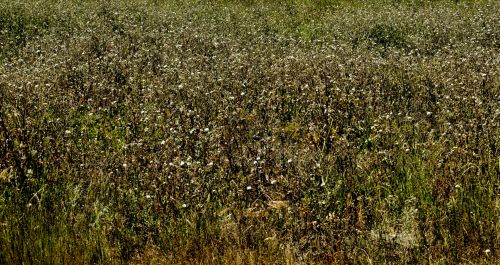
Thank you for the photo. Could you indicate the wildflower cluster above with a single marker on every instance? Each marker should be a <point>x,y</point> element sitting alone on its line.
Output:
<point>315,131</point>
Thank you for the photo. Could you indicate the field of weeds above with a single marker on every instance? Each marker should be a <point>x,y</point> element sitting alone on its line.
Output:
<point>249,132</point>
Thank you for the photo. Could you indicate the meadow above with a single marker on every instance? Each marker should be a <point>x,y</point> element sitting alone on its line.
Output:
<point>249,132</point>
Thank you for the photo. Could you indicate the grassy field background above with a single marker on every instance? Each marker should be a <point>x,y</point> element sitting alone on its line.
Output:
<point>249,132</point>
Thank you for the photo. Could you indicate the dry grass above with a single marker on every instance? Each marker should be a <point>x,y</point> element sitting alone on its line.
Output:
<point>249,132</point>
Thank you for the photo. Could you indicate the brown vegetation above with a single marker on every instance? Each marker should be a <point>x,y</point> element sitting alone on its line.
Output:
<point>231,132</point>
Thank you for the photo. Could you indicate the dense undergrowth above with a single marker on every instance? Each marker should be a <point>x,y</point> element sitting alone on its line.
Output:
<point>244,132</point>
